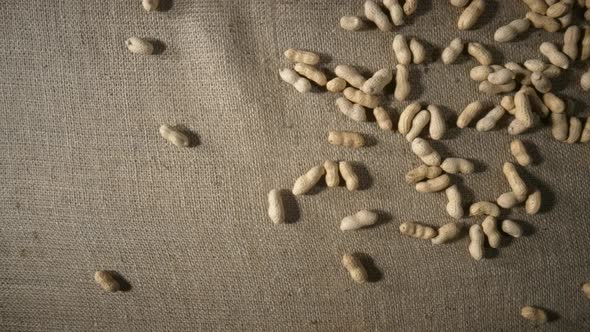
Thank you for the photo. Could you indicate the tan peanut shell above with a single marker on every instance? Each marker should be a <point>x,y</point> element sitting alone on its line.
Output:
<point>514,180</point>
<point>559,126</point>
<point>402,83</point>
<point>418,51</point>
<point>302,56</point>
<point>375,84</point>
<point>511,228</point>
<point>402,51</point>
<point>571,38</point>
<point>489,121</point>
<point>300,84</point>
<point>457,166</point>
<point>359,97</point>
<point>355,268</point>
<point>446,233</point>
<point>311,73</point>
<point>107,281</point>
<point>490,229</point>
<point>276,209</point>
<point>383,118</point>
<point>353,111</point>
<point>332,177</point>
<point>480,53</point>
<point>349,176</point>
<point>350,75</point>
<point>502,76</point>
<point>174,136</point>
<point>524,110</point>
<point>492,89</point>
<point>418,124</point>
<point>438,125</point>
<point>484,208</point>
<point>533,202</point>
<point>417,231</point>
<point>537,6</point>
<point>536,103</point>
<point>469,113</point>
<point>139,46</point>
<point>585,137</point>
<point>304,183</point>
<point>336,85</point>
<point>575,130</point>
<point>520,153</point>
<point>395,11</point>
<point>452,52</point>
<point>410,7</point>
<point>422,172</point>
<point>511,30</point>
<point>480,73</point>
<point>434,185</point>
<point>541,83</point>
<point>407,116</point>
<point>554,55</point>
<point>471,14</point>
<point>351,23</point>
<point>424,151</point>
<point>363,218</point>
<point>455,205</point>
<point>546,23</point>
<point>536,315</point>
<point>376,15</point>
<point>586,289</point>
<point>150,5</point>
<point>476,244</point>
<point>508,200</point>
<point>346,138</point>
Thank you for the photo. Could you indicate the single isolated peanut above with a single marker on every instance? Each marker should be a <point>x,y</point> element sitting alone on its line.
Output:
<point>402,51</point>
<point>375,84</point>
<point>402,83</point>
<point>359,97</point>
<point>139,46</point>
<point>150,5</point>
<point>537,6</point>
<point>346,138</point>
<point>351,23</point>
<point>490,229</point>
<point>455,205</point>
<point>300,84</point>
<point>471,14</point>
<point>350,75</point>
<point>423,172</point>
<point>533,203</point>
<point>469,113</point>
<point>508,200</point>
<point>276,209</point>
<point>477,242</point>
<point>302,56</point>
<point>383,118</point>
<point>571,38</point>
<point>354,111</point>
<point>438,124</point>
<point>350,178</point>
<point>376,15</point>
<point>304,183</point>
<point>355,268</point>
<point>511,30</point>
<point>107,281</point>
<point>446,233</point>
<point>457,166</point>
<point>332,177</point>
<point>541,83</point>
<point>492,89</point>
<point>554,55</point>
<point>479,53</point>
<point>336,85</point>
<point>395,11</point>
<point>418,51</point>
<point>174,136</point>
<point>514,180</point>
<point>311,73</point>
<point>452,52</point>
<point>575,130</point>
<point>434,185</point>
<point>358,220</point>
<point>417,231</point>
<point>519,152</point>
<point>559,126</point>
<point>406,118</point>
<point>410,7</point>
<point>511,228</point>
<point>424,151</point>
<point>546,23</point>
<point>489,121</point>
<point>536,315</point>
<point>418,124</point>
<point>484,208</point>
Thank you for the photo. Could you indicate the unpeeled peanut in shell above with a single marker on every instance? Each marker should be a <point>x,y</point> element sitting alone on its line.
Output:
<point>502,76</point>
<point>336,85</point>
<point>585,137</point>
<point>350,75</point>
<point>540,82</point>
<point>375,84</point>
<point>457,166</point>
<point>438,125</point>
<point>539,21</point>
<point>349,175</point>
<point>537,6</point>
<point>376,15</point>
<point>434,185</point>
<point>311,73</point>
<point>489,121</point>
<point>452,52</point>
<point>422,172</point>
<point>417,231</point>
<point>471,14</point>
<point>351,23</point>
<point>479,53</point>
<point>554,55</point>
<point>455,205</point>
<point>359,97</point>
<point>383,118</point>
<point>511,30</point>
<point>585,81</point>
<point>559,126</point>
<point>402,51</point>
<point>585,48</point>
<point>469,113</point>
<point>300,84</point>
<point>363,218</point>
<point>533,202</point>
<point>575,130</point>
<point>332,177</point>
<point>514,180</point>
<point>570,41</point>
<point>405,120</point>
<point>519,152</point>
<point>353,111</point>
<point>355,268</point>
<point>150,5</point>
<point>492,89</point>
<point>276,209</point>
<point>477,242</point>
<point>107,281</point>
<point>302,56</point>
<point>558,9</point>
<point>484,208</point>
<point>174,136</point>
<point>586,289</point>
<point>524,111</point>
<point>395,11</point>
<point>511,228</point>
<point>139,46</point>
<point>490,229</point>
<point>410,7</point>
<point>346,138</point>
<point>446,233</point>
<point>536,315</point>
<point>418,124</point>
<point>480,73</point>
<point>424,151</point>
<point>418,51</point>
<point>508,200</point>
<point>304,183</point>
<point>402,83</point>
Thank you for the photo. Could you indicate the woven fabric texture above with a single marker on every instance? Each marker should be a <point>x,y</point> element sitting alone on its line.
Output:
<point>88,183</point>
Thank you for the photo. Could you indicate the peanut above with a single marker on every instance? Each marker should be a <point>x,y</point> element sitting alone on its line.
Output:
<point>351,23</point>
<point>575,130</point>
<point>469,113</point>
<point>434,185</point>
<point>424,151</point>
<point>554,55</point>
<point>358,220</point>
<point>354,111</point>
<point>535,65</point>
<point>536,103</point>
<point>514,180</point>
<point>490,229</point>
<point>418,124</point>
<point>410,7</point>
<point>304,183</point>
<point>536,315</point>
<point>174,136</point>
<point>586,289</point>
<point>508,200</point>
<point>375,84</point>
<point>417,231</point>
<point>376,15</point>
<point>476,244</point>
<point>150,5</point>
<point>585,137</point>
<point>484,208</point>
<point>479,53</point>
<point>559,126</point>
<point>585,81</point>
<point>402,51</point>
<point>511,228</point>
<point>516,127</point>
<point>452,52</point>
<point>296,55</point>
<point>346,138</point>
<point>350,75</point>
<point>523,74</point>
<point>558,9</point>
<point>471,14</point>
<point>585,51</point>
<point>423,172</point>
<point>455,205</point>
<point>446,233</point>
<point>349,176</point>
<point>533,202</point>
<point>492,89</point>
<point>480,73</point>
<point>107,281</point>
<point>311,73</point>
<point>501,76</point>
<point>383,119</point>
<point>139,46</point>
<point>541,83</point>
<point>457,166</point>
<point>418,51</point>
<point>336,85</point>
<point>438,125</point>
<point>519,152</point>
<point>300,84</point>
<point>537,6</point>
<point>355,268</point>
<point>459,3</point>
<point>332,177</point>
<point>507,103</point>
<point>524,111</point>
<point>511,30</point>
<point>359,97</point>
<point>406,118</point>
<point>402,84</point>
<point>489,121</point>
<point>570,41</point>
<point>396,11</point>
<point>543,22</point>
<point>276,210</point>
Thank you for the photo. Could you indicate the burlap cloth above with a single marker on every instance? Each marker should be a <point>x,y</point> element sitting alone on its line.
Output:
<point>87,183</point>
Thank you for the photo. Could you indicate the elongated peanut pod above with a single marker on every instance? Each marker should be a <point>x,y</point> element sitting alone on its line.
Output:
<point>552,71</point>
<point>139,46</point>
<point>558,9</point>
<point>150,5</point>
<point>570,41</point>
<point>575,130</point>
<point>174,136</point>
<point>349,176</point>
<point>480,53</point>
<point>336,85</point>
<point>383,118</point>
<point>332,177</point>
<point>480,73</point>
<point>585,48</point>
<point>405,120</point>
<point>546,23</point>
<point>402,83</point>
<point>519,152</point>
<point>516,127</point>
<point>395,11</point>
<point>375,84</point>
<point>459,3</point>
<point>511,228</point>
<point>502,76</point>
<point>484,208</point>
<point>541,83</point>
<point>537,6</point>
<point>586,289</point>
<point>524,111</point>
<point>489,121</point>
<point>351,23</point>
<point>107,281</point>
<point>424,151</point>
<point>535,65</point>
<point>376,15</point>
<point>418,124</point>
<point>452,52</point>
<point>471,14</point>
<point>346,138</point>
<point>511,30</point>
<point>457,166</point>
<point>469,113</point>
<point>300,84</point>
<point>536,103</point>
<point>355,268</point>
<point>410,7</point>
<point>533,202</point>
<point>358,220</point>
<point>514,180</point>
<point>311,73</point>
<point>585,81</point>
<point>446,233</point>
<point>455,205</point>
<point>559,126</point>
<point>418,51</point>
<point>296,55</point>
<point>359,97</point>
<point>536,315</point>
<point>554,55</point>
<point>422,172</point>
<point>585,137</point>
<point>350,75</point>
<point>508,200</point>
<point>490,229</point>
<point>417,231</point>
<point>304,183</point>
<point>507,103</point>
<point>276,209</point>
<point>434,185</point>
<point>493,89</point>
<point>354,111</point>
<point>438,125</point>
<point>477,242</point>
<point>402,51</point>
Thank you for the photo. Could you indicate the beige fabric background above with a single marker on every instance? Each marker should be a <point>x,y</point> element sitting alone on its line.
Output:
<point>87,183</point>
